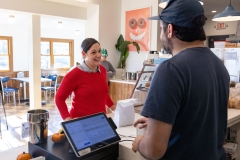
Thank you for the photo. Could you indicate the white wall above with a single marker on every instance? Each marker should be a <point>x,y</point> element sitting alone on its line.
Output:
<point>105,22</point>
<point>19,33</point>
<point>92,23</point>
<point>112,24</point>
<point>211,31</point>
<point>44,7</point>
<point>135,61</point>
<point>105,25</point>
<point>108,28</point>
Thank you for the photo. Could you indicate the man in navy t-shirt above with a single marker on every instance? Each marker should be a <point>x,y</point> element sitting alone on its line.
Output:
<point>186,106</point>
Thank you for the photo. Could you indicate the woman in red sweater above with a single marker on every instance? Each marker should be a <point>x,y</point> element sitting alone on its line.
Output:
<point>87,83</point>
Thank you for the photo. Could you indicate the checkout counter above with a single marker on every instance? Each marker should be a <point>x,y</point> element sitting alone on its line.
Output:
<point>125,147</point>
<point>118,151</point>
<point>129,132</point>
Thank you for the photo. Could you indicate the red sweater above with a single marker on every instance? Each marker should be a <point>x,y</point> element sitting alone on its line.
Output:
<point>89,93</point>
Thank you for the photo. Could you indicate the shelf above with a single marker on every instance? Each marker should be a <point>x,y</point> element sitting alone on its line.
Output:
<point>143,89</point>
<point>140,91</point>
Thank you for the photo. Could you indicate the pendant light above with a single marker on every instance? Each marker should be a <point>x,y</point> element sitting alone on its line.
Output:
<point>77,32</point>
<point>163,3</point>
<point>228,15</point>
<point>60,25</point>
<point>11,19</point>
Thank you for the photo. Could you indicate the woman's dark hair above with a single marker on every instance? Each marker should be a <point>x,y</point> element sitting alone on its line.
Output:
<point>190,34</point>
<point>87,44</point>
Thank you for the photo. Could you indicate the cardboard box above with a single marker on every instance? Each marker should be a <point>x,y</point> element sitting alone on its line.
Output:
<point>230,45</point>
<point>230,147</point>
<point>238,45</point>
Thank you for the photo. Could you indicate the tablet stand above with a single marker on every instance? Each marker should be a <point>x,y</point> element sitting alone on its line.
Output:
<point>60,151</point>
<point>70,150</point>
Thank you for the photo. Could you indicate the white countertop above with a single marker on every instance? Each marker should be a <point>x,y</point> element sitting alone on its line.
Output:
<point>125,147</point>
<point>26,79</point>
<point>233,116</point>
<point>123,81</point>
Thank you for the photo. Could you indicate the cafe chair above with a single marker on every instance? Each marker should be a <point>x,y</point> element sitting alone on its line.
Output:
<point>52,87</point>
<point>3,107</point>
<point>9,91</point>
<point>53,84</point>
<point>43,83</point>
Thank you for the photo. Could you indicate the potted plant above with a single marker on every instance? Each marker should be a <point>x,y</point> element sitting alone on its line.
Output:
<point>122,47</point>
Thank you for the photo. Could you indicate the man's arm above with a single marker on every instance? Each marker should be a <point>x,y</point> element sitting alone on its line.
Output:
<point>153,144</point>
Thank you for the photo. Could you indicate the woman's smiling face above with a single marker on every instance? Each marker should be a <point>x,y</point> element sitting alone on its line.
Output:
<point>93,56</point>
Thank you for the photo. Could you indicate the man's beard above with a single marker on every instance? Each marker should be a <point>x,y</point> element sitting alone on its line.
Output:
<point>167,44</point>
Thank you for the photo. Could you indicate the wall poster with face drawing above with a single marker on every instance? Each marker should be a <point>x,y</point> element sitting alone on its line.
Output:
<point>137,28</point>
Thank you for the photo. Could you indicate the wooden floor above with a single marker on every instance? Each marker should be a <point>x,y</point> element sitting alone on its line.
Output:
<point>11,138</point>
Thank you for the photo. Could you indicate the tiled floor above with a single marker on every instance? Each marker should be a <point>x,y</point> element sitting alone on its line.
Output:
<point>11,138</point>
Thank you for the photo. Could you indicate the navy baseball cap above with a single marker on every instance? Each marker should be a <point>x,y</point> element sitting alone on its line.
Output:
<point>181,13</point>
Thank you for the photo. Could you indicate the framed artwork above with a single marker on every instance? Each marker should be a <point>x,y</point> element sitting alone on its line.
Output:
<point>137,28</point>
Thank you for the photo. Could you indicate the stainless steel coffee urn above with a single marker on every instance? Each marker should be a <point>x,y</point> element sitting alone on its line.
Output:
<point>38,122</point>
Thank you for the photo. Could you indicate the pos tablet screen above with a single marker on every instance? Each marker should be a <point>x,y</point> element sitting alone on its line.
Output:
<point>90,133</point>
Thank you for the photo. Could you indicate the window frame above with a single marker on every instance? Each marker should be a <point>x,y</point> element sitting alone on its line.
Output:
<point>10,53</point>
<point>51,54</point>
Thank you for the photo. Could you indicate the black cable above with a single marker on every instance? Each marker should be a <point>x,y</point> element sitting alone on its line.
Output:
<point>123,136</point>
<point>126,140</point>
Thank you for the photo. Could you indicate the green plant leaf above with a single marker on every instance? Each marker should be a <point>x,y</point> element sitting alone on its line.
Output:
<point>136,45</point>
<point>122,47</point>
<point>126,55</point>
<point>119,42</point>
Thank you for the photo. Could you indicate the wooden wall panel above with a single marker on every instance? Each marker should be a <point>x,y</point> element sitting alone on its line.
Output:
<point>120,91</point>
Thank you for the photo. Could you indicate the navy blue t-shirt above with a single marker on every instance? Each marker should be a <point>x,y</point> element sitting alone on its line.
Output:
<point>190,91</point>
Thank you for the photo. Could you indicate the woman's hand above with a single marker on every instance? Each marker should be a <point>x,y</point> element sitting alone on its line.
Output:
<point>67,119</point>
<point>113,108</point>
<point>143,121</point>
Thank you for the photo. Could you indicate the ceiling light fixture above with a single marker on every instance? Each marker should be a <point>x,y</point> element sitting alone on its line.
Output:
<point>201,2</point>
<point>60,25</point>
<point>229,14</point>
<point>163,3</point>
<point>77,32</point>
<point>214,11</point>
<point>11,19</point>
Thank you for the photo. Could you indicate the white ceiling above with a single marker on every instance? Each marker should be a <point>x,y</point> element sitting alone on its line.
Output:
<point>219,6</point>
<point>209,5</point>
<point>51,21</point>
<point>68,24</point>
<point>79,3</point>
<point>48,22</point>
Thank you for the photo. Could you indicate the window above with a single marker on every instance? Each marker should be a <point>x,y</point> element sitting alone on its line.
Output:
<point>56,54</point>
<point>5,54</point>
